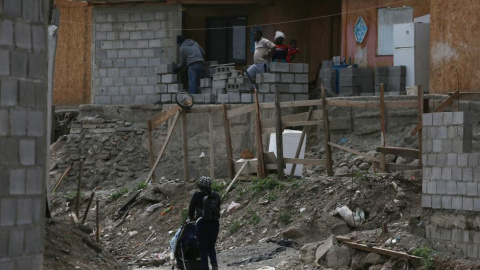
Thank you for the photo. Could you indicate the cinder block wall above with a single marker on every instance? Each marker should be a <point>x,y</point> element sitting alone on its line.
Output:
<point>23,92</point>
<point>128,43</point>
<point>451,177</point>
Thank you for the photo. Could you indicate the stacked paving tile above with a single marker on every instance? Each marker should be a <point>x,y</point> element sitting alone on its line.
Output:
<point>355,82</point>
<point>393,79</point>
<point>451,178</point>
<point>291,80</point>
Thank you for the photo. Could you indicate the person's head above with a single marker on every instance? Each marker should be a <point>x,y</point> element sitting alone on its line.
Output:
<point>204,182</point>
<point>257,35</point>
<point>279,38</point>
<point>293,43</point>
<point>180,40</point>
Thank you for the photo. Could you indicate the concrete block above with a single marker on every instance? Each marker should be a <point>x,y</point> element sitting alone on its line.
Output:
<point>457,174</point>
<point>452,188</point>
<point>298,88</point>
<point>473,159</point>
<point>210,98</point>
<point>281,88</point>
<point>169,78</point>
<point>222,98</point>
<point>259,78</point>
<point>270,78</point>
<point>431,160</point>
<point>462,160</point>
<point>381,79</point>
<point>472,188</point>
<point>300,97</point>
<point>447,146</point>
<point>175,87</point>
<point>296,68</point>
<point>397,71</point>
<point>452,159</point>
<point>27,152</point>
<point>166,98</point>
<point>437,146</point>
<point>35,125</point>
<point>280,67</point>
<point>269,98</point>
<point>447,202</point>
<point>461,188</point>
<point>427,172</point>
<point>381,71</point>
<point>16,242</point>
<point>432,187</point>
<point>264,88</point>
<point>476,174</point>
<point>287,78</point>
<point>436,202</point>
<point>287,97</point>
<point>305,68</point>
<point>5,60</point>
<point>462,118</point>
<point>164,69</point>
<point>6,32</point>
<point>446,173</point>
<point>200,98</point>
<point>349,82</point>
<point>206,90</point>
<point>424,186</point>
<point>457,203</point>
<point>441,187</point>
<point>452,132</point>
<point>301,78</point>
<point>18,64</point>
<point>467,174</point>
<point>349,72</point>
<point>234,97</point>
<point>442,132</point>
<point>219,84</point>
<point>476,204</point>
<point>437,119</point>
<point>246,98</point>
<point>24,211</point>
<point>8,209</point>
<point>427,201</point>
<point>396,80</point>
<point>468,204</point>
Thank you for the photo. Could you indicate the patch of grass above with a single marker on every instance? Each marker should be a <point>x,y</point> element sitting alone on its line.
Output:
<point>255,219</point>
<point>269,183</point>
<point>141,186</point>
<point>218,186</point>
<point>284,217</point>
<point>426,254</point>
<point>118,194</point>
<point>71,196</point>
<point>242,192</point>
<point>234,227</point>
<point>184,214</point>
<point>358,175</point>
<point>271,197</point>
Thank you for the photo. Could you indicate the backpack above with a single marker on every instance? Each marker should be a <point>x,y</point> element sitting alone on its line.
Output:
<point>211,207</point>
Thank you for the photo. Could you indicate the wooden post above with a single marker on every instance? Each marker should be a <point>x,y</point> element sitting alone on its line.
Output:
<point>258,135</point>
<point>420,121</point>
<point>79,183</point>
<point>150,145</point>
<point>97,222</point>
<point>228,142</point>
<point>235,178</point>
<point>326,124</point>
<point>382,128</point>
<point>63,176</point>
<point>300,143</point>
<point>212,151</point>
<point>186,171</point>
<point>88,207</point>
<point>279,137</point>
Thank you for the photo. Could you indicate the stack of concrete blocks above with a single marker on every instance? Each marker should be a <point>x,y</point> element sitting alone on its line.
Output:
<point>290,79</point>
<point>451,182</point>
<point>239,87</point>
<point>355,82</point>
<point>328,77</point>
<point>393,79</point>
<point>168,85</point>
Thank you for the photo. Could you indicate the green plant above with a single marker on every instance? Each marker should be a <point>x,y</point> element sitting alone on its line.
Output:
<point>426,254</point>
<point>358,174</point>
<point>184,214</point>
<point>242,192</point>
<point>118,194</point>
<point>255,219</point>
<point>71,196</point>
<point>271,197</point>
<point>284,217</point>
<point>218,186</point>
<point>234,227</point>
<point>141,186</point>
<point>269,183</point>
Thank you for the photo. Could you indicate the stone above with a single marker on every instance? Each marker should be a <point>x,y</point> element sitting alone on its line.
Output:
<point>374,258</point>
<point>307,252</point>
<point>364,166</point>
<point>342,171</point>
<point>338,257</point>
<point>323,249</point>
<point>358,261</point>
<point>376,267</point>
<point>293,233</point>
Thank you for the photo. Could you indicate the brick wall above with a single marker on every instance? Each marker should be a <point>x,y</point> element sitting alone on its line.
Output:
<point>451,198</point>
<point>22,132</point>
<point>128,43</point>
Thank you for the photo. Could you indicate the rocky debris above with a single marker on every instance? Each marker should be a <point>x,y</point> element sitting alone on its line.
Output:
<point>292,233</point>
<point>338,257</point>
<point>323,249</point>
<point>374,258</point>
<point>307,252</point>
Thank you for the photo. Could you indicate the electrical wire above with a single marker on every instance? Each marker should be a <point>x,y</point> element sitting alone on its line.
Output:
<point>272,23</point>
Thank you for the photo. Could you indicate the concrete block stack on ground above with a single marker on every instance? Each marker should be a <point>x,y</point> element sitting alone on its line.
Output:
<point>328,78</point>
<point>127,47</point>
<point>290,79</point>
<point>451,177</point>
<point>393,79</point>
<point>355,82</point>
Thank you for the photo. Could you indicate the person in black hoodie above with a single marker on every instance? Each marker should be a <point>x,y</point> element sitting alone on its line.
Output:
<point>205,209</point>
<point>191,54</point>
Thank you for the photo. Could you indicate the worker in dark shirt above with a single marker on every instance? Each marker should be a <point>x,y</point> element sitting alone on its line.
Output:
<point>205,209</point>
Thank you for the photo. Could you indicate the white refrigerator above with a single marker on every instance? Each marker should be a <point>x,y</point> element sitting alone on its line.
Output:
<point>411,48</point>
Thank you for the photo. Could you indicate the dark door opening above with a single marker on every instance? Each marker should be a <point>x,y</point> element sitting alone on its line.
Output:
<point>228,44</point>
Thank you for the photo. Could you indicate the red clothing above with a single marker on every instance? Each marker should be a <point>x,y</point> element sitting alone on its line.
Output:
<point>291,52</point>
<point>280,54</point>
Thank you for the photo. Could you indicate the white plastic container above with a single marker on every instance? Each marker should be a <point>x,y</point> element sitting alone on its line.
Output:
<point>291,138</point>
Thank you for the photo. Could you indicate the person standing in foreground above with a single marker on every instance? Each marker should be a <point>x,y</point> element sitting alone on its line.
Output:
<point>264,49</point>
<point>191,54</point>
<point>205,209</point>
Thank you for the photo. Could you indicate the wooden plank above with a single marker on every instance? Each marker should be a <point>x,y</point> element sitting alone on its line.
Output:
<point>164,146</point>
<point>392,167</point>
<point>150,146</point>
<point>88,207</point>
<point>79,186</point>
<point>305,161</point>
<point>399,151</point>
<point>371,104</point>
<point>241,110</point>
<point>420,122</point>
<point>234,179</point>
<point>440,108</point>
<point>326,124</point>
<point>97,214</point>
<point>291,104</point>
<point>382,116</point>
<point>210,145</point>
<point>316,115</point>
<point>228,142</point>
<point>62,177</point>
<point>186,161</point>
<point>279,136</point>
<point>259,140</point>
<point>294,124</point>
<point>391,253</point>
<point>300,143</point>
<point>162,117</point>
<point>344,148</point>
<point>467,95</point>
<point>400,104</point>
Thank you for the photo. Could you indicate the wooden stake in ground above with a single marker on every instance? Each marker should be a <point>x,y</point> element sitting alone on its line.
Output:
<point>228,142</point>
<point>258,135</point>
<point>186,161</point>
<point>211,149</point>
<point>63,176</point>
<point>279,136</point>
<point>326,124</point>
<point>234,179</point>
<point>79,183</point>
<point>150,146</point>
<point>164,146</point>
<point>97,222</point>
<point>88,207</point>
<point>300,143</point>
<point>420,121</point>
<point>381,156</point>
